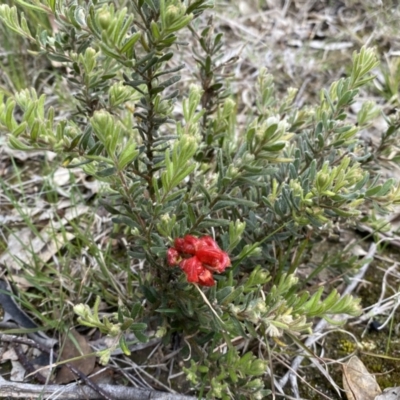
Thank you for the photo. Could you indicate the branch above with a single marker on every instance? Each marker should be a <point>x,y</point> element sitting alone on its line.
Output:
<point>78,392</point>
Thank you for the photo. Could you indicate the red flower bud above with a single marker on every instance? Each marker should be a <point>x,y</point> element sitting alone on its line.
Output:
<point>206,278</point>
<point>226,261</point>
<point>212,256</point>
<point>208,241</point>
<point>178,243</point>
<point>187,245</point>
<point>173,257</point>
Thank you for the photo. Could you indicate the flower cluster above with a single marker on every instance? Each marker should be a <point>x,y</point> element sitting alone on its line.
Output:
<point>198,258</point>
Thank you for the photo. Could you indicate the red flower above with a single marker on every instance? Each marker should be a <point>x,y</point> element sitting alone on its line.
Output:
<point>198,258</point>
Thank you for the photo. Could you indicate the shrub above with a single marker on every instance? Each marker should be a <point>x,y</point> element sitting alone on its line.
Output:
<point>237,207</point>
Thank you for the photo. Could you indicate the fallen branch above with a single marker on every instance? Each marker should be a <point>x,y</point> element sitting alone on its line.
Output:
<point>75,390</point>
<point>291,375</point>
<point>78,392</point>
<point>14,339</point>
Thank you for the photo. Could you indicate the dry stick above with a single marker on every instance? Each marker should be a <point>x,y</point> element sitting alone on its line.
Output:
<point>291,375</point>
<point>100,392</point>
<point>74,391</point>
<point>79,392</point>
<point>23,359</point>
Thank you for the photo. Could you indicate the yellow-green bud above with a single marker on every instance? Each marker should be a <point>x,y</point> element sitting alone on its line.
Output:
<point>101,117</point>
<point>83,310</point>
<point>161,332</point>
<point>172,13</point>
<point>229,105</point>
<point>248,158</point>
<point>261,276</point>
<point>115,330</point>
<point>232,171</point>
<point>104,356</point>
<point>322,180</point>
<point>104,18</point>
<point>260,306</point>
<point>258,367</point>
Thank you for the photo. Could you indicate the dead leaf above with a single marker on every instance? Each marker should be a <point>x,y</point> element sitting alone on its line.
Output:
<point>358,383</point>
<point>9,354</point>
<point>102,376</point>
<point>61,177</point>
<point>17,372</point>
<point>43,247</point>
<point>27,155</point>
<point>54,245</point>
<point>24,246</point>
<point>75,345</point>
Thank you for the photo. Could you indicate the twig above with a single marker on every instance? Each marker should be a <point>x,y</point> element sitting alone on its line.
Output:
<point>78,392</point>
<point>291,375</point>
<point>23,359</point>
<point>89,383</point>
<point>89,391</point>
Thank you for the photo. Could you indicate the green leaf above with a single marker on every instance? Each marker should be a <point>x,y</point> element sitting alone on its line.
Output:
<point>106,172</point>
<point>21,128</point>
<point>386,187</point>
<point>168,310</point>
<point>346,213</point>
<point>124,346</point>
<point>9,119</point>
<point>141,337</point>
<point>52,5</point>
<point>137,308</point>
<point>373,191</point>
<point>210,223</point>
<point>179,24</point>
<point>130,43</point>
<point>150,293</point>
<point>127,156</point>
<point>224,204</point>
<point>35,130</point>
<point>270,130</point>
<point>122,219</point>
<point>58,57</point>
<point>170,81</point>
<point>79,17</point>
<point>30,6</point>
<point>110,209</point>
<point>233,296</point>
<point>18,145</point>
<point>138,326</point>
